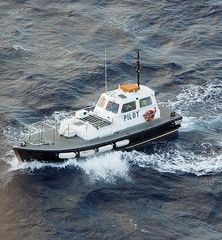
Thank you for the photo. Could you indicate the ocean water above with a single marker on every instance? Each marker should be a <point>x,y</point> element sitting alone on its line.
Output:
<point>52,62</point>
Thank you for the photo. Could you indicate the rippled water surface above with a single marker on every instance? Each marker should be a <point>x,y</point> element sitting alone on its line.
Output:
<point>52,62</point>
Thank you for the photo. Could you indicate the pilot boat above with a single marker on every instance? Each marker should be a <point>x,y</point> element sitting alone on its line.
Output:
<point>123,119</point>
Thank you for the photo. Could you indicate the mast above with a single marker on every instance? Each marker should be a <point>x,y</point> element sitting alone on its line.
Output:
<point>105,73</point>
<point>138,68</point>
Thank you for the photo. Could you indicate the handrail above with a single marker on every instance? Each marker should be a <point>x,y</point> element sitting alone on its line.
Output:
<point>164,104</point>
<point>36,133</point>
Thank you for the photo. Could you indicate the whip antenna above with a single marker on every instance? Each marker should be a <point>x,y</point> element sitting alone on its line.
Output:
<point>105,73</point>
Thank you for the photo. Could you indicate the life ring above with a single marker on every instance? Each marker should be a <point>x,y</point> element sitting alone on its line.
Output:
<point>150,115</point>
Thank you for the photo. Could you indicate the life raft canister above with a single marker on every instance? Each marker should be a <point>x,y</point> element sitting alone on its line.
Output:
<point>150,115</point>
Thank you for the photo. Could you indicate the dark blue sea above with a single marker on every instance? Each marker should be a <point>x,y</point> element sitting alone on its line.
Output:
<point>52,62</point>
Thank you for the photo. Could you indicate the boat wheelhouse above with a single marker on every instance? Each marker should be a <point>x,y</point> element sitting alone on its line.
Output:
<point>115,110</point>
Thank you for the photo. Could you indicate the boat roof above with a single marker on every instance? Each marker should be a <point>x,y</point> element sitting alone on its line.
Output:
<point>129,91</point>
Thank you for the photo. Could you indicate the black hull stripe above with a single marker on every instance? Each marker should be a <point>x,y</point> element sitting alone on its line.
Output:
<point>141,143</point>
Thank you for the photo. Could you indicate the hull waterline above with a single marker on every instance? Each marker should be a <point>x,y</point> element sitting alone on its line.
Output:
<point>136,141</point>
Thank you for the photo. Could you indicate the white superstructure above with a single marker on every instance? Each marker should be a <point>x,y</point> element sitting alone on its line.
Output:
<point>125,107</point>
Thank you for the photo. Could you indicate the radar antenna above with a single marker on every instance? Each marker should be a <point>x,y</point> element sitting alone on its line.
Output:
<point>138,68</point>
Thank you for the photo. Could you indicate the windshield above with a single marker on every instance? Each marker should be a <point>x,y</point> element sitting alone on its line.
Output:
<point>101,102</point>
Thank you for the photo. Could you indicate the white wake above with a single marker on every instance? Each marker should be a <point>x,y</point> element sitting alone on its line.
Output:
<point>107,167</point>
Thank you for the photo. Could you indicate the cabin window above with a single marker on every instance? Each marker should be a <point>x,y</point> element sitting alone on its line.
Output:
<point>112,107</point>
<point>145,102</point>
<point>129,107</point>
<point>101,102</point>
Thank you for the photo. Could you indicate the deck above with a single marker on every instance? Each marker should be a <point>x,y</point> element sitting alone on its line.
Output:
<point>62,143</point>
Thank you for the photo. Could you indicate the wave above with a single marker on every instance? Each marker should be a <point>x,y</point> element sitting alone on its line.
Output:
<point>200,106</point>
<point>199,100</point>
